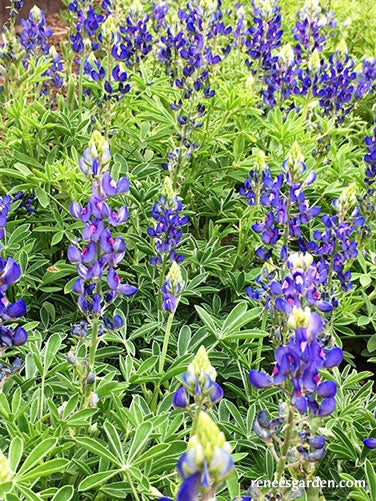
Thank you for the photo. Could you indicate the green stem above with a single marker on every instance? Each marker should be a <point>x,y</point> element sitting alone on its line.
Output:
<point>108,121</point>
<point>285,446</point>
<point>80,84</point>
<point>91,362</point>
<point>161,280</point>
<point>261,339</point>
<point>41,398</point>
<point>330,272</point>
<point>195,420</point>
<point>166,340</point>
<point>243,235</point>
<point>133,489</point>
<point>94,342</point>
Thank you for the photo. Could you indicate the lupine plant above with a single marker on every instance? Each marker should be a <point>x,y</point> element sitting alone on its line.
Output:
<point>187,210</point>
<point>10,312</point>
<point>97,255</point>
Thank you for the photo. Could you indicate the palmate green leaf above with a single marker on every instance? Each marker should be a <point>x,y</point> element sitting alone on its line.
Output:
<point>28,493</point>
<point>4,406</point>
<point>208,320</point>
<point>66,493</point>
<point>371,479</point>
<point>140,440</point>
<point>37,454</point>
<point>115,441</point>
<point>6,487</point>
<point>81,418</point>
<point>50,350</point>
<point>97,479</point>
<point>152,453</point>
<point>116,490</point>
<point>247,334</point>
<point>42,196</point>
<point>184,339</point>
<point>47,468</point>
<point>240,317</point>
<point>15,453</point>
<point>233,485</point>
<point>97,448</point>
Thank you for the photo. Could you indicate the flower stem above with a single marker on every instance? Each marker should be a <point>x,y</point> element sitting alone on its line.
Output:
<point>128,478</point>
<point>195,420</point>
<point>91,361</point>
<point>261,339</point>
<point>94,342</point>
<point>285,446</point>
<point>80,83</point>
<point>165,341</point>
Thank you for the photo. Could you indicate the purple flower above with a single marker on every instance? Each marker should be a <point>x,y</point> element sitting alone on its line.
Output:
<point>10,272</point>
<point>370,443</point>
<point>260,379</point>
<point>180,398</point>
<point>168,230</point>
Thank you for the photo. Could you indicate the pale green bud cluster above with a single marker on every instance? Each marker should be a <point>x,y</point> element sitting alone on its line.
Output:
<point>201,365</point>
<point>5,471</point>
<point>175,279</point>
<point>53,52</point>
<point>312,6</point>
<point>250,81</point>
<point>342,49</point>
<point>347,199</point>
<point>209,446</point>
<point>137,6</point>
<point>314,62</point>
<point>36,13</point>
<point>168,189</point>
<point>295,159</point>
<point>300,260</point>
<point>98,146</point>
<point>265,6</point>
<point>209,4</point>
<point>286,56</point>
<point>207,438</point>
<point>109,27</point>
<point>299,318</point>
<point>260,161</point>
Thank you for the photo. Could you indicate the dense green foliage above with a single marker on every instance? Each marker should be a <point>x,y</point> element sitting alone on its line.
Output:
<point>127,446</point>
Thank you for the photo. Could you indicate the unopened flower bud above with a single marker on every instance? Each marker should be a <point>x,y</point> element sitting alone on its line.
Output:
<point>168,190</point>
<point>299,318</point>
<point>342,49</point>
<point>286,56</point>
<point>250,81</point>
<point>90,378</point>
<point>260,162</point>
<point>295,160</point>
<point>94,399</point>
<point>347,200</point>
<point>265,6</point>
<point>36,14</point>
<point>311,5</point>
<point>109,28</point>
<point>201,364</point>
<point>314,63</point>
<point>175,279</point>
<point>300,260</point>
<point>71,358</point>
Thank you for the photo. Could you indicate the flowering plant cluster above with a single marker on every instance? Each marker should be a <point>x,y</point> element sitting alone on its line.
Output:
<point>97,254</point>
<point>10,312</point>
<point>182,342</point>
